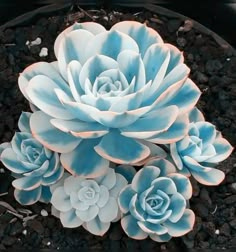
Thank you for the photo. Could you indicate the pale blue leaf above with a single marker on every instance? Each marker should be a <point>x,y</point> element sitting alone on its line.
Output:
<point>28,197</point>
<point>142,34</point>
<point>84,161</point>
<point>49,136</point>
<point>120,149</point>
<point>132,229</point>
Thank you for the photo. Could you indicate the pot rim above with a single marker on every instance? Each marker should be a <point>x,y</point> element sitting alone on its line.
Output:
<point>51,9</point>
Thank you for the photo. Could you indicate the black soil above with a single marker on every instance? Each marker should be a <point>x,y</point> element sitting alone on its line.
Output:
<point>213,68</point>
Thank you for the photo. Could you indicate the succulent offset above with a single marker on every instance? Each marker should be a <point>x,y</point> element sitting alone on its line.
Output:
<point>33,165</point>
<point>114,100</point>
<point>88,202</point>
<point>155,203</point>
<point>200,150</point>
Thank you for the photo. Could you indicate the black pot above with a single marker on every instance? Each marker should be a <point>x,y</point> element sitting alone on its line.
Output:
<point>212,61</point>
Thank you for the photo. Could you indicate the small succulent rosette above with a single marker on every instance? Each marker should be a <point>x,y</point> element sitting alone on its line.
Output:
<point>34,166</point>
<point>109,94</point>
<point>200,150</point>
<point>91,203</point>
<point>155,203</point>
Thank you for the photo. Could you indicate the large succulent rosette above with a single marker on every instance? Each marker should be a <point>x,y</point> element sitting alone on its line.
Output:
<point>200,150</point>
<point>34,166</point>
<point>108,95</point>
<point>89,202</point>
<point>155,203</point>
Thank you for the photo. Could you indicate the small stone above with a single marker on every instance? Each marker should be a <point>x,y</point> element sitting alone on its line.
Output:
<point>16,228</point>
<point>189,243</point>
<point>201,210</point>
<point>24,232</point>
<point>209,227</point>
<point>190,57</point>
<point>233,242</point>
<point>222,240</point>
<point>36,226</point>
<point>2,247</point>
<point>204,244</point>
<point>11,59</point>
<point>44,213</point>
<point>8,241</point>
<point>201,77</point>
<point>181,42</point>
<point>225,229</point>
<point>217,232</point>
<point>46,242</point>
<point>37,41</point>
<point>43,52</point>
<point>233,187</point>
<point>188,25</point>
<point>233,223</point>
<point>204,195</point>
<point>213,66</point>
<point>230,200</point>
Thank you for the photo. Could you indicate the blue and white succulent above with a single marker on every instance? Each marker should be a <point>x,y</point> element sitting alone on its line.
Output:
<point>199,151</point>
<point>155,203</point>
<point>88,202</point>
<point>109,94</point>
<point>119,99</point>
<point>34,166</point>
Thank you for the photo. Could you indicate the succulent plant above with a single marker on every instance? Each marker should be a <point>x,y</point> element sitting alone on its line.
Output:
<point>88,202</point>
<point>114,100</point>
<point>155,203</point>
<point>108,95</point>
<point>199,151</point>
<point>34,166</point>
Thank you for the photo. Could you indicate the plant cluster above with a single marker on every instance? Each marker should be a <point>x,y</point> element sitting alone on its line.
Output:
<point>114,134</point>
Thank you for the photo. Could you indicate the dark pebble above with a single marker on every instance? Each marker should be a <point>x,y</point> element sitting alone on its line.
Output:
<point>11,59</point>
<point>2,247</point>
<point>188,242</point>
<point>230,200</point>
<point>201,210</point>
<point>35,49</point>
<point>16,228</point>
<point>233,242</point>
<point>8,240</point>
<point>204,244</point>
<point>213,66</point>
<point>233,223</point>
<point>204,195</point>
<point>181,42</point>
<point>222,239</point>
<point>36,226</point>
<point>209,227</point>
<point>201,77</point>
<point>225,230</point>
<point>233,187</point>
